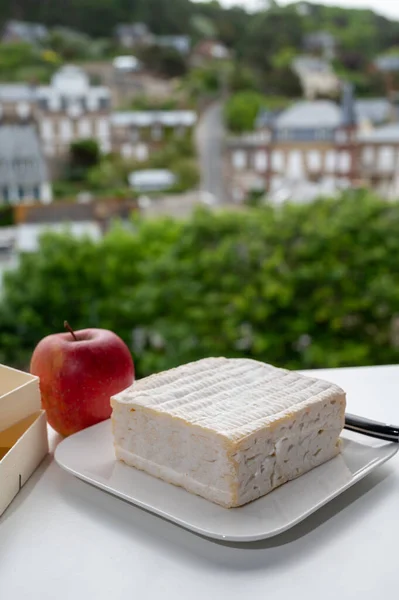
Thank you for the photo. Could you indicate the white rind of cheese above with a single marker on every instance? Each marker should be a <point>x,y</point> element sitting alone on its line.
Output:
<point>230,430</point>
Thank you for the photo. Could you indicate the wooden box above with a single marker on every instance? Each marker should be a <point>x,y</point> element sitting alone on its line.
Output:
<point>23,431</point>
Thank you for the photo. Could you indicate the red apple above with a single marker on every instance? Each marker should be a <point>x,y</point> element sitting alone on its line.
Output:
<point>79,372</point>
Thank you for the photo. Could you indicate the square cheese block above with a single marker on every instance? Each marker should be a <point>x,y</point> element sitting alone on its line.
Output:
<point>230,430</point>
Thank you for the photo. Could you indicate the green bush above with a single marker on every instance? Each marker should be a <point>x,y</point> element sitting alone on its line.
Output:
<point>22,62</point>
<point>298,286</point>
<point>187,173</point>
<point>84,155</point>
<point>6,216</point>
<point>242,108</point>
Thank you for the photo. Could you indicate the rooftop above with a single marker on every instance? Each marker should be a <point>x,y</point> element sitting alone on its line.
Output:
<point>168,118</point>
<point>21,160</point>
<point>16,92</point>
<point>388,133</point>
<point>375,110</point>
<point>388,63</point>
<point>309,115</point>
<point>29,32</point>
<point>152,180</point>
<point>311,64</point>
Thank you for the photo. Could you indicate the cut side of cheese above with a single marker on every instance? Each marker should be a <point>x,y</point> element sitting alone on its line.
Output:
<point>230,430</point>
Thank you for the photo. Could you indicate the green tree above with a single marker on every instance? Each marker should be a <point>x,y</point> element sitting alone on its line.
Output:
<point>298,286</point>
<point>84,154</point>
<point>107,175</point>
<point>242,109</point>
<point>163,61</point>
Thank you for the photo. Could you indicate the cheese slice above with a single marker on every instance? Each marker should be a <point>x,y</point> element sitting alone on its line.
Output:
<point>230,430</point>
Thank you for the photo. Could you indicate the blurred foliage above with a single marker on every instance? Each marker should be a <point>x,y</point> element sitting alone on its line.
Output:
<point>22,62</point>
<point>6,216</point>
<point>84,154</point>
<point>178,156</point>
<point>297,286</point>
<point>144,102</point>
<point>74,45</point>
<point>202,81</point>
<point>242,109</point>
<point>263,41</point>
<point>107,175</point>
<point>163,61</point>
<point>203,26</point>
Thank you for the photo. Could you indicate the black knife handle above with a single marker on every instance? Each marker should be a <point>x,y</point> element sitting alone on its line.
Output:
<point>390,433</point>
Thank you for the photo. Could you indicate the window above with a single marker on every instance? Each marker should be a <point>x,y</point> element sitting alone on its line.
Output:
<point>141,152</point>
<point>314,160</point>
<point>386,159</point>
<point>104,103</point>
<point>43,103</point>
<point>66,130</point>
<point>239,160</point>
<point>23,110</point>
<point>92,103</point>
<point>368,156</point>
<point>331,161</point>
<point>36,192</point>
<point>47,129</point>
<point>84,128</point>
<point>102,127</point>
<point>341,137</point>
<point>21,192</point>
<point>295,165</point>
<point>54,103</point>
<point>344,162</point>
<point>284,134</point>
<point>126,150</point>
<point>6,195</point>
<point>260,161</point>
<point>277,161</point>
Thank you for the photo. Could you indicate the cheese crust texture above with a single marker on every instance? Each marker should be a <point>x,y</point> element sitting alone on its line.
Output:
<point>230,430</point>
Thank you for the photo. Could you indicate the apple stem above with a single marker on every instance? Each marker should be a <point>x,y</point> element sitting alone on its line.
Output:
<point>71,331</point>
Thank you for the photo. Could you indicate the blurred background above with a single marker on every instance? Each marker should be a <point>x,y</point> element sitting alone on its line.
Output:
<point>202,178</point>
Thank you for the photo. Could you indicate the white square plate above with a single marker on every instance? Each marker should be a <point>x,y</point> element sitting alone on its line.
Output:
<point>89,455</point>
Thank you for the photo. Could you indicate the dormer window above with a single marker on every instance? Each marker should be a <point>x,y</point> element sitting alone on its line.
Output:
<point>341,137</point>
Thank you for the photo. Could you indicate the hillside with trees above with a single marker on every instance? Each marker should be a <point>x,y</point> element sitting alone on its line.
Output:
<point>263,42</point>
<point>252,36</point>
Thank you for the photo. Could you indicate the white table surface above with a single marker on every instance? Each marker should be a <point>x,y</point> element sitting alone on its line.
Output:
<point>62,539</point>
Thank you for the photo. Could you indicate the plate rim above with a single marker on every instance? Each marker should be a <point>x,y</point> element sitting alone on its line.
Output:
<point>391,449</point>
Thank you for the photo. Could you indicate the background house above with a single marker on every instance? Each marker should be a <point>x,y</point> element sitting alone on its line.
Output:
<point>23,171</point>
<point>17,102</point>
<point>316,76</point>
<point>317,148</point>
<point>322,43</point>
<point>135,133</point>
<point>388,63</point>
<point>71,109</point>
<point>180,43</point>
<point>21,31</point>
<point>208,51</point>
<point>133,35</point>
